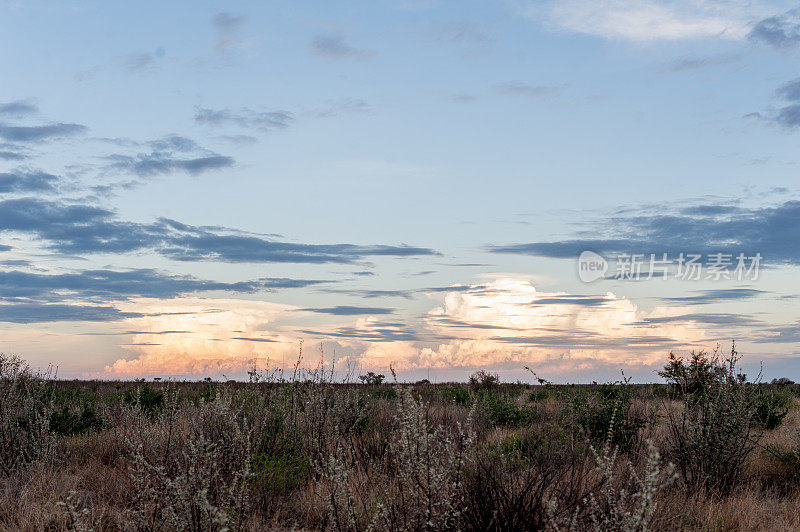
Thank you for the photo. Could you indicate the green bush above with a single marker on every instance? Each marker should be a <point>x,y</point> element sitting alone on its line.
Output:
<point>280,474</point>
<point>504,411</point>
<point>457,394</point>
<point>68,423</point>
<point>538,395</point>
<point>771,408</point>
<point>147,398</point>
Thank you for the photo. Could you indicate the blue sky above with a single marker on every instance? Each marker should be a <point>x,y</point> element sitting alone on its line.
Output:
<point>191,188</point>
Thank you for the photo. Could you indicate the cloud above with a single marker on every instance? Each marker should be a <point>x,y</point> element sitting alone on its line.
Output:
<point>334,45</point>
<point>145,165</point>
<point>696,63</point>
<point>18,108</point>
<point>779,31</point>
<point>228,27</point>
<point>706,229</point>
<point>27,181</point>
<point>343,106</point>
<point>507,323</point>
<point>368,329</point>
<point>77,229</point>
<point>463,33</point>
<point>11,156</point>
<point>703,297</point>
<point>39,133</point>
<point>651,20</point>
<point>516,88</point>
<point>169,154</point>
<point>142,61</point>
<point>208,347</point>
<point>246,118</point>
<point>344,310</point>
<point>38,312</point>
<point>789,115</point>
<point>111,284</point>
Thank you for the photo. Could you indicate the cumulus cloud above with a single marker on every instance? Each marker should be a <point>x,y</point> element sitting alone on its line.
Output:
<point>208,348</point>
<point>507,323</point>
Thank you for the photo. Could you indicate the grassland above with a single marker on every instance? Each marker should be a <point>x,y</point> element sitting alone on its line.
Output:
<point>707,450</point>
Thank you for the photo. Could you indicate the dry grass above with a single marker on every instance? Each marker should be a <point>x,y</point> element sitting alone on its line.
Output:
<point>318,455</point>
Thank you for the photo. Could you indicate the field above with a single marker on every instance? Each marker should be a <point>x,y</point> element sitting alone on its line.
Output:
<point>706,450</point>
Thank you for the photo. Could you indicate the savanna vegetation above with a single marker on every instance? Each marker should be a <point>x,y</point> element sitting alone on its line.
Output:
<point>708,449</point>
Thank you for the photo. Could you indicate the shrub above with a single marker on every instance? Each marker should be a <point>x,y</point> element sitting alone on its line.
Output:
<point>145,397</point>
<point>25,409</point>
<point>771,408</point>
<point>457,394</point>
<point>538,395</point>
<point>68,423</point>
<point>718,426</point>
<point>605,412</point>
<point>504,411</point>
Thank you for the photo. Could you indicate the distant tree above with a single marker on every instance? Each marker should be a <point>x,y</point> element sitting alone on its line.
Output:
<point>483,380</point>
<point>783,381</point>
<point>372,378</point>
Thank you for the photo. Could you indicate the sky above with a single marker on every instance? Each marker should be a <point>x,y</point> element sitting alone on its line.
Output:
<point>192,189</point>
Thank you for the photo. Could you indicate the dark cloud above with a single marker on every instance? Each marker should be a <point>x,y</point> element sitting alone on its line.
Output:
<point>37,312</point>
<point>27,181</point>
<point>246,118</point>
<point>32,297</point>
<point>703,297</point>
<point>780,31</point>
<point>344,310</point>
<point>141,61</point>
<point>371,332</point>
<point>335,46</point>
<point>721,319</point>
<point>371,294</point>
<point>39,133</point>
<point>11,156</point>
<point>251,339</point>
<point>145,165</point>
<point>516,88</point>
<point>83,229</point>
<point>772,231</point>
<point>790,91</point>
<point>3,247</point>
<point>18,108</point>
<point>789,334</point>
<point>168,154</point>
<point>109,284</point>
<point>585,301</point>
<point>696,63</point>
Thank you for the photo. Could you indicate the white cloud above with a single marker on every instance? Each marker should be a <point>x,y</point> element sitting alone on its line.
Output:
<point>653,20</point>
<point>195,336</point>
<point>508,323</point>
